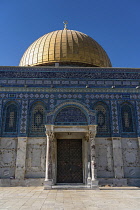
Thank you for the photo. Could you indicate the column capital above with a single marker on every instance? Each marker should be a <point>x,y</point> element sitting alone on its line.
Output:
<point>50,131</point>
<point>49,127</point>
<point>92,131</point>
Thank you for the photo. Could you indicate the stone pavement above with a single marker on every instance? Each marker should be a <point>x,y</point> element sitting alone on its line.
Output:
<point>35,198</point>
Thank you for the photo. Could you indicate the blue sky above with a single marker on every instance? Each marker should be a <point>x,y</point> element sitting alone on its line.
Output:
<point>114,24</point>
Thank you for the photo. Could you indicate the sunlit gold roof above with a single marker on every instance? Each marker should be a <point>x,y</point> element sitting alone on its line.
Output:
<point>67,47</point>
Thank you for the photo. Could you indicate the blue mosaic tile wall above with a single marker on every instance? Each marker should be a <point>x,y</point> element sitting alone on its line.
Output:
<point>65,85</point>
<point>89,103</point>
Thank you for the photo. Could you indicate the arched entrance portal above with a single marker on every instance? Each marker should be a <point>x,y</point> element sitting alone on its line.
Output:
<point>69,146</point>
<point>70,154</point>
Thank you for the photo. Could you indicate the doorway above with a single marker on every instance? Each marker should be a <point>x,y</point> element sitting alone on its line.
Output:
<point>69,161</point>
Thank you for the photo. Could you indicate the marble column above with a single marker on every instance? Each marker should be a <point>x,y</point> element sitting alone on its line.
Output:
<point>92,133</point>
<point>49,150</point>
<point>21,158</point>
<point>88,161</point>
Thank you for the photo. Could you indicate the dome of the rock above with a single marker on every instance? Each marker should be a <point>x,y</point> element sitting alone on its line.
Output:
<point>66,47</point>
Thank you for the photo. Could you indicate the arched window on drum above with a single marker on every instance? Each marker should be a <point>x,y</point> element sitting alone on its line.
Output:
<point>103,119</point>
<point>37,120</point>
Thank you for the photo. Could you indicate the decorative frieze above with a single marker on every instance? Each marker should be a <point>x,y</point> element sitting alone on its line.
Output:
<point>91,73</point>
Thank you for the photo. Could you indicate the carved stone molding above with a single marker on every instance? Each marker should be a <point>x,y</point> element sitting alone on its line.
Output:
<point>50,132</point>
<point>50,135</point>
<point>92,131</point>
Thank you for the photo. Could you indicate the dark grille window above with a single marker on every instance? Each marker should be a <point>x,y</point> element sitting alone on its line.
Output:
<point>127,121</point>
<point>102,119</point>
<point>37,119</point>
<point>11,118</point>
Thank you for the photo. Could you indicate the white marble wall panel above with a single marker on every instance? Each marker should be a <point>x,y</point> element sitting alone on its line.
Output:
<point>131,157</point>
<point>35,157</point>
<point>8,150</point>
<point>117,158</point>
<point>104,158</point>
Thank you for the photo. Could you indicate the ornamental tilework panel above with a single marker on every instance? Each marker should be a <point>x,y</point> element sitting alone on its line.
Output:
<point>92,120</point>
<point>11,81</point>
<point>115,126</point>
<point>24,117</point>
<point>71,116</point>
<point>135,96</point>
<point>126,101</point>
<point>59,102</point>
<point>21,82</point>
<point>104,96</point>
<point>138,114</point>
<point>3,95</point>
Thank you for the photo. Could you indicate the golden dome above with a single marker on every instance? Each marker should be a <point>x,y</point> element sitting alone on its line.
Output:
<point>66,47</point>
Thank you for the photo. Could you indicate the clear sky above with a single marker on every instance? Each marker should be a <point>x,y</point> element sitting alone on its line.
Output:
<point>114,24</point>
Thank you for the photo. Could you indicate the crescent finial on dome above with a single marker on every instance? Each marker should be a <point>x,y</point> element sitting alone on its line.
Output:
<point>65,24</point>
